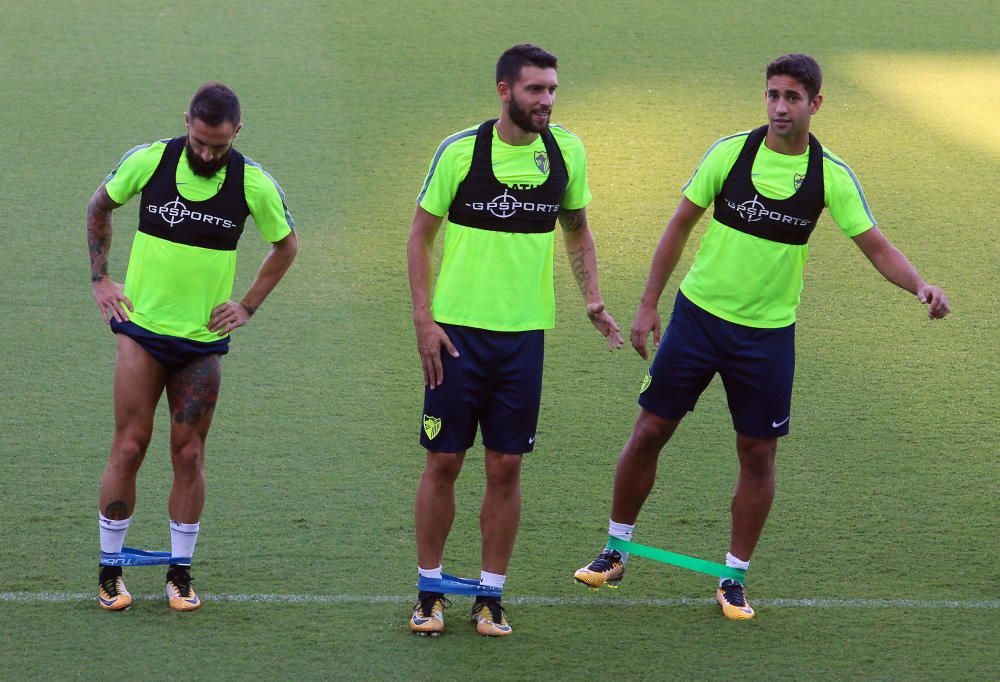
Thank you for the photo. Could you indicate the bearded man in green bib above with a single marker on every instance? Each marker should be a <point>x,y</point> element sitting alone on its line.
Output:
<point>173,316</point>
<point>503,185</point>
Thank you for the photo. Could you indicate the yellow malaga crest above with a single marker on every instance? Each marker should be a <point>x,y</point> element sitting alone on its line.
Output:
<point>646,381</point>
<point>432,426</point>
<point>542,161</point>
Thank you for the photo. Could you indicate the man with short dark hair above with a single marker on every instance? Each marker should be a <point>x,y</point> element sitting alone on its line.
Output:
<point>173,316</point>
<point>735,311</point>
<point>502,185</point>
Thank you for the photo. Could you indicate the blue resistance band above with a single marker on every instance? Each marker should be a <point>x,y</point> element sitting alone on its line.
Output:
<point>449,584</point>
<point>130,556</point>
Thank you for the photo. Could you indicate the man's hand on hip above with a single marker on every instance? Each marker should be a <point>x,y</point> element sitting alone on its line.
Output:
<point>110,296</point>
<point>227,317</point>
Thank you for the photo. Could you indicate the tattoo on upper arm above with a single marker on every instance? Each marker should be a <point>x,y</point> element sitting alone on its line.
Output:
<point>578,263</point>
<point>572,221</point>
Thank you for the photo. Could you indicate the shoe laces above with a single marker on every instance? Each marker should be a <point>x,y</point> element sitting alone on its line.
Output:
<point>426,601</point>
<point>606,561</point>
<point>498,614</point>
<point>109,583</point>
<point>732,590</point>
<point>181,579</point>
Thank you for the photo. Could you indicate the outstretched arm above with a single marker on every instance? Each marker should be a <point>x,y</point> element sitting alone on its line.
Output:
<point>665,258</point>
<point>431,338</point>
<point>108,293</point>
<point>582,254</point>
<point>894,266</point>
<point>230,315</point>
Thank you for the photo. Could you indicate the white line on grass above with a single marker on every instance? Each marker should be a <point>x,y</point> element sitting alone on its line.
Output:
<point>28,597</point>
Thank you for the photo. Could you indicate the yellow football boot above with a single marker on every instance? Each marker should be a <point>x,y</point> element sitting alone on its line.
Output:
<point>428,614</point>
<point>732,600</point>
<point>490,618</point>
<point>111,592</point>
<point>180,596</point>
<point>607,569</point>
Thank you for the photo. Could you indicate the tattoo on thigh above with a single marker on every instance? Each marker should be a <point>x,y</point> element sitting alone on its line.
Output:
<point>116,511</point>
<point>193,391</point>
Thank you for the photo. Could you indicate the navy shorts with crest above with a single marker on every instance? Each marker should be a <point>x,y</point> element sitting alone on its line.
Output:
<point>756,365</point>
<point>494,385</point>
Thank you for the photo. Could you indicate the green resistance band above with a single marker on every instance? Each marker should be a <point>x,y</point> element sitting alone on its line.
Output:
<point>689,562</point>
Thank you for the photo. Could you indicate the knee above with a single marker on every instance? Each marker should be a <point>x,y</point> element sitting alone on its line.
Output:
<point>757,459</point>
<point>189,458</point>
<point>503,471</point>
<point>128,452</point>
<point>442,468</point>
<point>650,434</point>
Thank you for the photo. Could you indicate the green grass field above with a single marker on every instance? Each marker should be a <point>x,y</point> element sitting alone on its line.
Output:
<point>888,485</point>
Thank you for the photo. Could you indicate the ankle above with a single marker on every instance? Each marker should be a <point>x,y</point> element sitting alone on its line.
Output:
<point>110,571</point>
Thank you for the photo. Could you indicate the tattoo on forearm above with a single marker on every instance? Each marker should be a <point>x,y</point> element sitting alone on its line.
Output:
<point>251,309</point>
<point>98,240</point>
<point>578,263</point>
<point>193,391</point>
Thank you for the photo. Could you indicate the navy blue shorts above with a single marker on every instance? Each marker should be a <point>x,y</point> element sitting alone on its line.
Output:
<point>495,384</point>
<point>756,366</point>
<point>173,352</point>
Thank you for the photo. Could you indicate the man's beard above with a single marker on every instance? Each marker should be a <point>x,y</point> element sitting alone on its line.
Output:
<point>205,169</point>
<point>522,118</point>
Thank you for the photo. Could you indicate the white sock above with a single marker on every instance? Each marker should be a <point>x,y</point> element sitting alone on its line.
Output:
<point>733,562</point>
<point>112,533</point>
<point>622,531</point>
<point>494,580</point>
<point>433,573</point>
<point>183,537</point>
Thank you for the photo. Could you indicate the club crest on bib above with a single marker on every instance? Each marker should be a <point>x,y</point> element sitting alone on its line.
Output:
<point>432,426</point>
<point>542,161</point>
<point>799,179</point>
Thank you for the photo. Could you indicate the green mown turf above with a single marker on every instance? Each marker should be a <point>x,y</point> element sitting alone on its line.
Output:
<point>887,486</point>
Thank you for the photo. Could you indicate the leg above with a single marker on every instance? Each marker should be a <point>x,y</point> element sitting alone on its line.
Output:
<point>636,471</point>
<point>139,381</point>
<point>753,494</point>
<point>192,393</point>
<point>499,518</point>
<point>634,478</point>
<point>683,367</point>
<point>500,513</point>
<point>751,505</point>
<point>758,380</point>
<point>434,509</point>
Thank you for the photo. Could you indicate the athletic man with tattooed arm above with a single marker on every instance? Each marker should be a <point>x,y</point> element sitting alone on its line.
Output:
<point>172,317</point>
<point>502,185</point>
